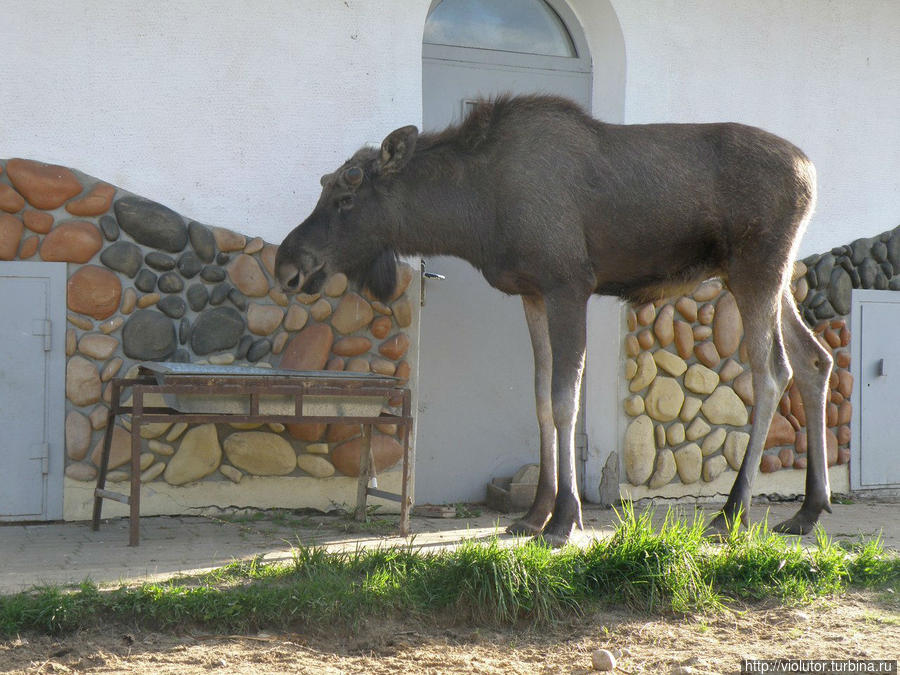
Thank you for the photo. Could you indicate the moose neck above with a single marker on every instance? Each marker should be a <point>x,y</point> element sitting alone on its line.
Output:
<point>442,207</point>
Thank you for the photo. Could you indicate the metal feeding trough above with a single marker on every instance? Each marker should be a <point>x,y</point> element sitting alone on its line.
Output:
<point>203,394</point>
<point>318,405</point>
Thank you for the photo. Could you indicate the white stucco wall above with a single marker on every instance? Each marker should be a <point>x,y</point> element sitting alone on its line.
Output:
<point>824,74</point>
<point>227,111</point>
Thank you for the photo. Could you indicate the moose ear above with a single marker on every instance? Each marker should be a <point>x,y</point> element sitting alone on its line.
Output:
<point>381,277</point>
<point>397,148</point>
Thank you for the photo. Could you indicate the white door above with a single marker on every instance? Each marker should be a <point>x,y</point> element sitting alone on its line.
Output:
<point>875,451</point>
<point>32,368</point>
<point>476,417</point>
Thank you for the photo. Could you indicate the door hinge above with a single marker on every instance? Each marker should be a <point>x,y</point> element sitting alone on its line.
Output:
<point>581,446</point>
<point>41,451</point>
<point>43,327</point>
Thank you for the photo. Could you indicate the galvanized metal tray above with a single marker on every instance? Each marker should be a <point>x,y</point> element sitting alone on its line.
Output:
<point>239,404</point>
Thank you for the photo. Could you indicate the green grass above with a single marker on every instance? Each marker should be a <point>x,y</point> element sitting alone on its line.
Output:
<point>672,568</point>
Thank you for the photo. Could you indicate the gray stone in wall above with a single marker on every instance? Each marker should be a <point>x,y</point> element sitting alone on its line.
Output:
<point>259,349</point>
<point>202,241</point>
<point>189,264</point>
<point>216,329</point>
<point>893,248</point>
<point>173,306</point>
<point>839,289</point>
<point>223,258</point>
<point>184,330</point>
<point>146,281</point>
<point>244,346</point>
<point>824,311</point>
<point>197,297</point>
<point>170,282</point>
<point>823,268</point>
<point>109,227</point>
<point>219,293</point>
<point>868,271</point>
<point>148,335</point>
<point>160,261</point>
<point>124,257</point>
<point>879,251</point>
<point>181,356</point>
<point>151,224</point>
<point>238,299</point>
<point>212,274</point>
<point>859,251</point>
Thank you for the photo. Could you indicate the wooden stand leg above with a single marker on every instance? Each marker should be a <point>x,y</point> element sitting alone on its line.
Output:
<point>134,501</point>
<point>104,456</point>
<point>405,499</point>
<point>365,473</point>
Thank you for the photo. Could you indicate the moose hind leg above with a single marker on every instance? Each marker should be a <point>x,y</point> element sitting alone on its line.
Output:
<point>812,366</point>
<point>533,521</point>
<point>770,373</point>
<point>566,316</point>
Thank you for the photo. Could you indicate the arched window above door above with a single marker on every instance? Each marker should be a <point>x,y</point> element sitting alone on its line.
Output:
<point>525,27</point>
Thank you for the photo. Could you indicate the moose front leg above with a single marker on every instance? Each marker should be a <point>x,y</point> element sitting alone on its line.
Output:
<point>566,320</point>
<point>539,513</point>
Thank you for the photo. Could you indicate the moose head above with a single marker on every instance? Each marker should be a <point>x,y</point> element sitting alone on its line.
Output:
<point>352,227</point>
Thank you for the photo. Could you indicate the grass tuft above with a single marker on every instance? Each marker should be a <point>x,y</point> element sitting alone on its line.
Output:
<point>670,568</point>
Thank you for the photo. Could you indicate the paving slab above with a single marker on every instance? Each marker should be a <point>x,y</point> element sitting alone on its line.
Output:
<point>70,553</point>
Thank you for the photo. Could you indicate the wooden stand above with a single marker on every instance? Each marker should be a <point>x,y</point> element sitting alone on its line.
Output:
<point>253,387</point>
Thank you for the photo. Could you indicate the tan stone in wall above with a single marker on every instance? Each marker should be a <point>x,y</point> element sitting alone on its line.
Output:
<point>82,381</point>
<point>261,453</point>
<point>248,277</point>
<point>197,457</point>
<point>640,450</point>
<point>352,313</point>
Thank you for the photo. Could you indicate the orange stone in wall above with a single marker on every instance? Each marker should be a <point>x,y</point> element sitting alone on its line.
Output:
<point>76,241</point>
<point>94,291</point>
<point>11,229</point>
<point>45,186</point>
<point>306,432</point>
<point>395,347</point>
<point>97,202</point>
<point>29,247</point>
<point>10,200</point>
<point>309,349</point>
<point>38,221</point>
<point>385,450</point>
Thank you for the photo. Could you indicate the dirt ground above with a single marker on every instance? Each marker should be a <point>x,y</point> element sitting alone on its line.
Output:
<point>854,626</point>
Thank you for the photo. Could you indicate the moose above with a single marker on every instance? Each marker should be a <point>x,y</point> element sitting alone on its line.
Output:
<point>554,206</point>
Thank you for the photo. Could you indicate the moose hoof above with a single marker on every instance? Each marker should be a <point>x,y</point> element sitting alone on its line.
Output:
<point>721,525</point>
<point>551,539</point>
<point>799,523</point>
<point>523,527</point>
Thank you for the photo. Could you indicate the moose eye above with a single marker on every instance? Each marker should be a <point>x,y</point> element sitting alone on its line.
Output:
<point>344,203</point>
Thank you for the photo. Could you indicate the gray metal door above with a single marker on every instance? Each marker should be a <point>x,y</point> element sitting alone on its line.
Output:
<point>875,459</point>
<point>28,387</point>
<point>476,417</point>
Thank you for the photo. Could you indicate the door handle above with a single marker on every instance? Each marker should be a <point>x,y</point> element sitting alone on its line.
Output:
<point>426,275</point>
<point>881,368</point>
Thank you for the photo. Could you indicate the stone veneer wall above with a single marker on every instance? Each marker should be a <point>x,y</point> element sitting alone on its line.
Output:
<point>144,283</point>
<point>691,397</point>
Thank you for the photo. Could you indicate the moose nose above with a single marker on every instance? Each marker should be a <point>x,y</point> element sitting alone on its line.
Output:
<point>289,277</point>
